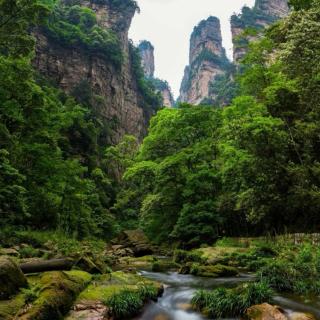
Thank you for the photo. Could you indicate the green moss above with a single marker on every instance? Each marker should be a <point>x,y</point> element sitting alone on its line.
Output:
<point>9,308</point>
<point>162,266</point>
<point>85,277</point>
<point>58,291</point>
<point>214,271</point>
<point>108,285</point>
<point>11,278</point>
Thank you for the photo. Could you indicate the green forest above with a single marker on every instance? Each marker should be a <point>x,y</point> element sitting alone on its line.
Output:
<point>202,176</point>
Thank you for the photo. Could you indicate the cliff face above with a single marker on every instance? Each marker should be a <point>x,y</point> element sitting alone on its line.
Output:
<point>115,96</point>
<point>207,60</point>
<point>264,13</point>
<point>148,63</point>
<point>147,58</point>
<point>275,8</point>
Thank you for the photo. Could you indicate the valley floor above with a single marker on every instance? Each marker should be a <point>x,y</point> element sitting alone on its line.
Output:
<point>47,276</point>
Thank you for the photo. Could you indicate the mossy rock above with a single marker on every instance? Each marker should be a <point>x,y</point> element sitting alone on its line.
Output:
<point>11,278</point>
<point>110,284</point>
<point>9,308</point>
<point>88,265</point>
<point>58,292</point>
<point>163,266</point>
<point>216,271</point>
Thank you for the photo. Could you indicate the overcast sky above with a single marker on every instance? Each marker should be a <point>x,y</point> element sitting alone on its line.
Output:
<point>168,24</point>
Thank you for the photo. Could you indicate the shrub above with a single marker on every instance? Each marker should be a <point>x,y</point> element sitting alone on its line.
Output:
<point>291,276</point>
<point>31,294</point>
<point>29,252</point>
<point>77,26</point>
<point>182,256</point>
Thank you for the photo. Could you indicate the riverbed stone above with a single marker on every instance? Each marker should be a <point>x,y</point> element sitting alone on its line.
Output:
<point>301,316</point>
<point>89,310</point>
<point>265,311</point>
<point>11,278</point>
<point>161,317</point>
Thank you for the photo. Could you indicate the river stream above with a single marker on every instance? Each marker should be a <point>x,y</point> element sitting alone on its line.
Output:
<point>179,290</point>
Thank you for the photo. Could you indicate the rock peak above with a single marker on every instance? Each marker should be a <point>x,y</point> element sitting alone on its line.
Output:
<point>147,58</point>
<point>206,35</point>
<point>207,60</point>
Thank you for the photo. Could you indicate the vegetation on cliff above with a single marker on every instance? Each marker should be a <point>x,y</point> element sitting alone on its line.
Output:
<point>53,171</point>
<point>77,26</point>
<point>202,173</point>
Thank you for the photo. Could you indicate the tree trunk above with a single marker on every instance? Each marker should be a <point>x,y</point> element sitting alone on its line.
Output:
<point>47,265</point>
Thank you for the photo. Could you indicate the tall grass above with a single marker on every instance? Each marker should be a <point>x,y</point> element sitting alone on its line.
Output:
<point>129,302</point>
<point>222,303</point>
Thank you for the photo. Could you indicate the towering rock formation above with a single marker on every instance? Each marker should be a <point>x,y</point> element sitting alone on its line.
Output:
<point>115,95</point>
<point>147,58</point>
<point>264,13</point>
<point>207,60</point>
<point>148,64</point>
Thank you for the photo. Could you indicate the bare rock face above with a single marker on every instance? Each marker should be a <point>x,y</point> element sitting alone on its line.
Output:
<point>207,60</point>
<point>263,14</point>
<point>148,64</point>
<point>168,100</point>
<point>147,58</point>
<point>119,104</point>
<point>135,240</point>
<point>274,8</point>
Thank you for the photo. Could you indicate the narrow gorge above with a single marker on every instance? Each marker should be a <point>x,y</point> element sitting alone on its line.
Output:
<point>118,201</point>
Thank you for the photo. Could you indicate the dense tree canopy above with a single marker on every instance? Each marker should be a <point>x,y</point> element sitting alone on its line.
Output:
<point>250,168</point>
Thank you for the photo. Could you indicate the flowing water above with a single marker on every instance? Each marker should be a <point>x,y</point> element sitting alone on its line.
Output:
<point>179,289</point>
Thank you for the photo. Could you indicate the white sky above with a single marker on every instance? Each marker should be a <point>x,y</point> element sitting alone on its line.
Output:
<point>168,24</point>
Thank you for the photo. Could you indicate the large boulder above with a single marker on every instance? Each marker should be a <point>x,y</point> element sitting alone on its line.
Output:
<point>265,311</point>
<point>135,240</point>
<point>11,278</point>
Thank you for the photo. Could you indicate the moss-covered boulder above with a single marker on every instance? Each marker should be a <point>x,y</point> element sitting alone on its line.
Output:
<point>163,266</point>
<point>85,263</point>
<point>10,308</point>
<point>216,271</point>
<point>11,278</point>
<point>58,292</point>
<point>106,288</point>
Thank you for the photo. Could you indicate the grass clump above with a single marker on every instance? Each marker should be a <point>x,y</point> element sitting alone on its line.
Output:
<point>32,293</point>
<point>129,302</point>
<point>124,303</point>
<point>295,270</point>
<point>222,303</point>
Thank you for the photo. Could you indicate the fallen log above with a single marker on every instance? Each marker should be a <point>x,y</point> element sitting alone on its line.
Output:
<point>47,265</point>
